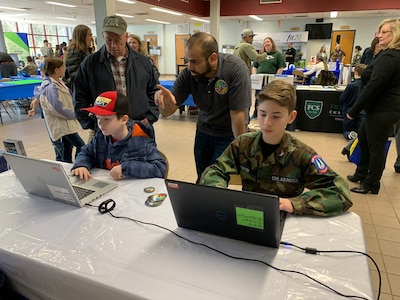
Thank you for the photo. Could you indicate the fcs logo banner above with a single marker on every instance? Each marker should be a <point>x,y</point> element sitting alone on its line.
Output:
<point>313,108</point>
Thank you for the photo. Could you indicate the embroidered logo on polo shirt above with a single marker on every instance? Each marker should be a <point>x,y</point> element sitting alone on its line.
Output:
<point>221,87</point>
<point>319,163</point>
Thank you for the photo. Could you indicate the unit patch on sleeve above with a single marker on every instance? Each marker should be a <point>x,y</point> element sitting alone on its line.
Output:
<point>319,163</point>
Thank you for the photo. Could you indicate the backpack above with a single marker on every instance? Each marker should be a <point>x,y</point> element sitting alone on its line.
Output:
<point>326,78</point>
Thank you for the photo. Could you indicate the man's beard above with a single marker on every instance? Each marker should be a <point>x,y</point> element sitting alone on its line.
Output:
<point>202,75</point>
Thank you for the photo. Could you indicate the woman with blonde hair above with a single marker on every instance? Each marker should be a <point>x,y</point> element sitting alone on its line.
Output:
<point>322,54</point>
<point>380,99</point>
<point>78,49</point>
<point>136,43</point>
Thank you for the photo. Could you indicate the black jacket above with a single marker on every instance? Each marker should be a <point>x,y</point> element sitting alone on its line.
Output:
<point>382,90</point>
<point>72,63</point>
<point>95,76</point>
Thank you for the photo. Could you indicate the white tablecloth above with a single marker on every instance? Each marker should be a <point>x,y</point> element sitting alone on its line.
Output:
<point>51,250</point>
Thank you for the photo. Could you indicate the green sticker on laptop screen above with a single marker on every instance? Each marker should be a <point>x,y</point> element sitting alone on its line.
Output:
<point>250,218</point>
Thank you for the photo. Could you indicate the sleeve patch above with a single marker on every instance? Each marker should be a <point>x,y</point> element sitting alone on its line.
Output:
<point>319,164</point>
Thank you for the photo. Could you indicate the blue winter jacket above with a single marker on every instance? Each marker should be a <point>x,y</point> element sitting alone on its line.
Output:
<point>137,153</point>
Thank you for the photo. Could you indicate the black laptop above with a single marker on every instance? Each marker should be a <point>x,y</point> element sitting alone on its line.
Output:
<point>245,216</point>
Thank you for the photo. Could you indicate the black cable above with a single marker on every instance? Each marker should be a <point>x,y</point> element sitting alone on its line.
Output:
<point>316,251</point>
<point>231,256</point>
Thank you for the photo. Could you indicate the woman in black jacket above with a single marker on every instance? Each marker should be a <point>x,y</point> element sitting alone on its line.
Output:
<point>380,99</point>
<point>78,49</point>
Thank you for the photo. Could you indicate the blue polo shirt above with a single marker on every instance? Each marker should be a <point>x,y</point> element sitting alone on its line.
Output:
<point>229,89</point>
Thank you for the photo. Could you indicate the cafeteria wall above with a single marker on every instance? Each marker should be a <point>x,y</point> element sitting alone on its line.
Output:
<point>230,35</point>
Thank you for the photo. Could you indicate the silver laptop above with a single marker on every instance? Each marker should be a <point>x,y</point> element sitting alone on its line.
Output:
<point>48,179</point>
<point>246,216</point>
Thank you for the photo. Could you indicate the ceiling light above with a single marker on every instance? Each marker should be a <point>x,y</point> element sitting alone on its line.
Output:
<point>18,15</point>
<point>200,20</point>
<point>127,1</point>
<point>63,18</point>
<point>255,17</point>
<point>334,14</point>
<point>60,4</point>
<point>166,11</point>
<point>126,16</point>
<point>12,8</point>
<point>156,21</point>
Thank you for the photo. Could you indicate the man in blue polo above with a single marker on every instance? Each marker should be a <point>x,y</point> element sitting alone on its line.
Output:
<point>221,88</point>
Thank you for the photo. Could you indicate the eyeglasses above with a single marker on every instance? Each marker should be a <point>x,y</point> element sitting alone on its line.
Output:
<point>384,32</point>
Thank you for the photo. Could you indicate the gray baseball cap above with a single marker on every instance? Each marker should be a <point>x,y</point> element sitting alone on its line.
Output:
<point>114,24</point>
<point>247,32</point>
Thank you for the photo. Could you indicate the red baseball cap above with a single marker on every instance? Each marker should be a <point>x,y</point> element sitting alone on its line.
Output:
<point>110,103</point>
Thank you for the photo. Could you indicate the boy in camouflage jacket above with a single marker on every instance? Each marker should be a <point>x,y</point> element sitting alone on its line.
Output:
<point>272,161</point>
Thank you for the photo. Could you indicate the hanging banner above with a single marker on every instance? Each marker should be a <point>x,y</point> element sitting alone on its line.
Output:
<point>280,38</point>
<point>17,43</point>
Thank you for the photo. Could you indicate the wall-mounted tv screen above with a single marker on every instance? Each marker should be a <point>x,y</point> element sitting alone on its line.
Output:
<point>319,31</point>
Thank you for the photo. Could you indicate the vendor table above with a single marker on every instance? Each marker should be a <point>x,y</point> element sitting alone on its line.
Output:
<point>51,250</point>
<point>19,87</point>
<point>318,109</point>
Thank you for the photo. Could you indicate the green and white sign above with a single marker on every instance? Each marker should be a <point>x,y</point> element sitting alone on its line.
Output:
<point>17,43</point>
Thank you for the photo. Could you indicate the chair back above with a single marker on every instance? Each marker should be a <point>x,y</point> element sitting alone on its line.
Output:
<point>299,77</point>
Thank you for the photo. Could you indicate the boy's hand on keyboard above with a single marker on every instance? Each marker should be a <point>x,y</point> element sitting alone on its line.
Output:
<point>82,173</point>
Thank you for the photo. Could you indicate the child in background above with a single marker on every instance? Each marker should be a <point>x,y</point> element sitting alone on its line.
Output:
<point>125,147</point>
<point>271,161</point>
<point>347,99</point>
<point>59,115</point>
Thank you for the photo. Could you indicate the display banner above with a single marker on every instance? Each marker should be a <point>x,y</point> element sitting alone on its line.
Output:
<point>17,43</point>
<point>280,38</point>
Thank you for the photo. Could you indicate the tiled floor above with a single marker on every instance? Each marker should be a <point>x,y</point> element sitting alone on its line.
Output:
<point>174,135</point>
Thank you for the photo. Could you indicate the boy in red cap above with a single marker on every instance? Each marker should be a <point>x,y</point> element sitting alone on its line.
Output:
<point>125,147</point>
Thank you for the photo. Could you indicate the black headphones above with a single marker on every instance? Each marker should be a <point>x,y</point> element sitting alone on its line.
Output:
<point>106,207</point>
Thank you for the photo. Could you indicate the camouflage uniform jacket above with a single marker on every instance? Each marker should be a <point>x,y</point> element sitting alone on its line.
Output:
<point>291,168</point>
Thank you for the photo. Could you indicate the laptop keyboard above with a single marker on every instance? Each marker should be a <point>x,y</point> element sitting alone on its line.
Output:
<point>82,192</point>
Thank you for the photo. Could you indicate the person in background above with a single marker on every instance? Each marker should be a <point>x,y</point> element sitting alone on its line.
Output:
<point>7,66</point>
<point>322,53</point>
<point>77,50</point>
<point>115,66</point>
<point>317,68</point>
<point>357,56</point>
<point>272,161</point>
<point>380,99</point>
<point>338,54</point>
<point>369,52</point>
<point>46,50</point>
<point>31,68</point>
<point>396,131</point>
<point>138,45</point>
<point>64,51</point>
<point>246,51</point>
<point>274,63</point>
<point>347,99</point>
<point>56,103</point>
<point>40,63</point>
<point>60,52</point>
<point>125,147</point>
<point>221,89</point>
<point>290,54</point>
